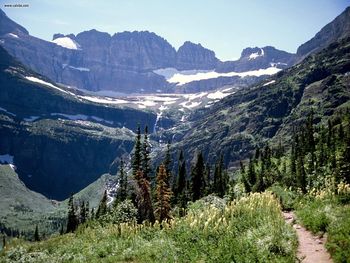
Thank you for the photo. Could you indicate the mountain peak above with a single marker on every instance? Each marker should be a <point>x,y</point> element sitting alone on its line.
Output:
<point>59,35</point>
<point>191,55</point>
<point>252,53</point>
<point>337,29</point>
<point>9,26</point>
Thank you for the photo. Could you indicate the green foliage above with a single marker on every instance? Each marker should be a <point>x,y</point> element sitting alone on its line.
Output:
<point>338,240</point>
<point>322,212</point>
<point>288,198</point>
<point>122,212</point>
<point>314,215</point>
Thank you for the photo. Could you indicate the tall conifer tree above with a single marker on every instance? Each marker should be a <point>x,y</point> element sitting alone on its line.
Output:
<point>163,195</point>
<point>198,178</point>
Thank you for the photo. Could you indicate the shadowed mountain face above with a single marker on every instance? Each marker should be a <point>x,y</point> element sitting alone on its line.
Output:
<point>337,29</point>
<point>125,62</point>
<point>60,142</point>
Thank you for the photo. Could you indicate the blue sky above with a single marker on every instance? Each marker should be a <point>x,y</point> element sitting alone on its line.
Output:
<point>225,26</point>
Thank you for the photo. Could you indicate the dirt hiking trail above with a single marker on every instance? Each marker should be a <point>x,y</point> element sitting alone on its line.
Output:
<point>311,248</point>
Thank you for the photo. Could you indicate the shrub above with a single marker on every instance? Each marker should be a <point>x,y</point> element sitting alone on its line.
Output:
<point>122,213</point>
<point>338,241</point>
<point>314,214</point>
<point>286,197</point>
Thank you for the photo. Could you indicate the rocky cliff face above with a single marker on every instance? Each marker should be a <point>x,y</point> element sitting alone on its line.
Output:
<point>337,29</point>
<point>124,62</point>
<point>9,26</point>
<point>194,56</point>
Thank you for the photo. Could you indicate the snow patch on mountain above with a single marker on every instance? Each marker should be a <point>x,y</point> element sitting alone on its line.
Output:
<point>104,100</point>
<point>217,95</point>
<point>40,81</point>
<point>270,82</point>
<point>180,78</point>
<point>191,105</point>
<point>12,35</point>
<point>168,73</point>
<point>76,68</point>
<point>66,42</point>
<point>256,54</point>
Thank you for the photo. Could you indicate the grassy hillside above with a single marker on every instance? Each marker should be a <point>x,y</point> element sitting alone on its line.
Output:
<point>22,209</point>
<point>249,230</point>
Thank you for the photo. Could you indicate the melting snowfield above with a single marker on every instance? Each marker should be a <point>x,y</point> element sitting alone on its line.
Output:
<point>183,77</point>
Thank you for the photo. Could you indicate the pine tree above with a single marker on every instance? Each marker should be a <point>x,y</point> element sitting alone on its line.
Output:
<point>197,176</point>
<point>218,177</point>
<point>251,175</point>
<point>182,185</point>
<point>146,167</point>
<point>163,195</point>
<point>244,179</point>
<point>83,213</point>
<point>208,181</point>
<point>301,175</point>
<point>290,180</point>
<point>36,234</point>
<point>3,241</point>
<point>87,210</point>
<point>72,222</point>
<point>102,207</point>
<point>259,185</point>
<point>123,183</point>
<point>344,162</point>
<point>137,158</point>
<point>143,198</point>
<point>180,182</point>
<point>167,162</point>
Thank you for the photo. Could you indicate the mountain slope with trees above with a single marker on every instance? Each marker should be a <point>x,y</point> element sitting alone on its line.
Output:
<point>238,123</point>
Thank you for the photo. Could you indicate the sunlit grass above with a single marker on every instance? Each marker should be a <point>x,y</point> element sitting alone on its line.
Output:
<point>248,230</point>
